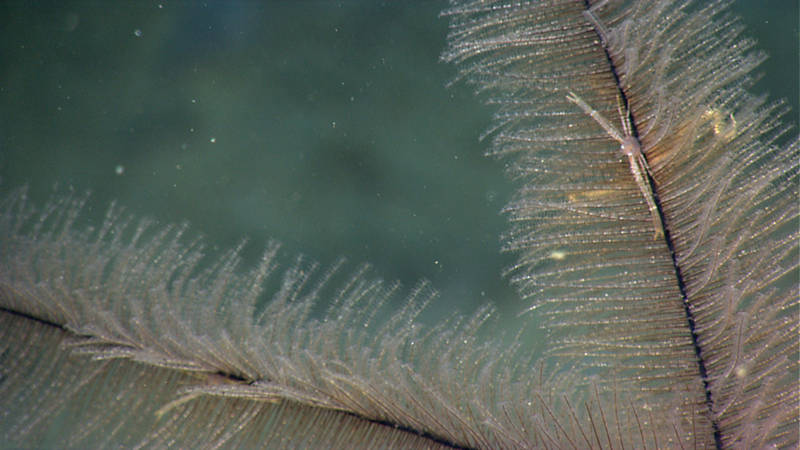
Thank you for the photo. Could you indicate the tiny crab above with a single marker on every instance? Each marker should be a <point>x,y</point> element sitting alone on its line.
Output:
<point>630,147</point>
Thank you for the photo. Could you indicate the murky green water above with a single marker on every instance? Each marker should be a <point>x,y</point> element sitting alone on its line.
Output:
<point>325,125</point>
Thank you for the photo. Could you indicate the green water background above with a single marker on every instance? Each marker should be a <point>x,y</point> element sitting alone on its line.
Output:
<point>325,125</point>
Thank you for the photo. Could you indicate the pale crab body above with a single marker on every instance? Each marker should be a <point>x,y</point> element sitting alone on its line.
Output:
<point>632,148</point>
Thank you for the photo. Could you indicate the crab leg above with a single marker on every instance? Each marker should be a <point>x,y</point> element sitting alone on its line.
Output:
<point>631,148</point>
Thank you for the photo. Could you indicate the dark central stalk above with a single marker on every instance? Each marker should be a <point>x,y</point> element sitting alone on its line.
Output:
<point>687,307</point>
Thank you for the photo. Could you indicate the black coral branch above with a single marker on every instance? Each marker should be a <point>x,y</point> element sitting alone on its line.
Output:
<point>671,314</point>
